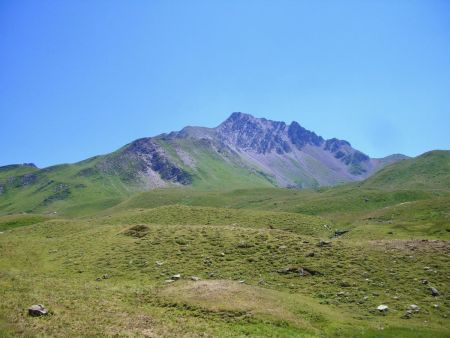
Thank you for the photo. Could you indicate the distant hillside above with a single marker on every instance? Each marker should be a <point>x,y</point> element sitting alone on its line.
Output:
<point>242,152</point>
<point>428,171</point>
<point>17,170</point>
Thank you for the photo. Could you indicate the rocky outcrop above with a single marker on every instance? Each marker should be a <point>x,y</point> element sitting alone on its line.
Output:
<point>141,157</point>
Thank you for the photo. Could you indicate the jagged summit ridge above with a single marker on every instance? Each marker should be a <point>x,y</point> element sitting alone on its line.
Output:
<point>248,133</point>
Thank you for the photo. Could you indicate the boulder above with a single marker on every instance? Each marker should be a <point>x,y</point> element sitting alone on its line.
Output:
<point>37,310</point>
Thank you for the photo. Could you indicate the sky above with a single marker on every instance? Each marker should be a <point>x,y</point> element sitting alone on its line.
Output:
<point>82,78</point>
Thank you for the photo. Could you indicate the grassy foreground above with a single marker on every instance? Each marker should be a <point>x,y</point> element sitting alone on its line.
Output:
<point>107,275</point>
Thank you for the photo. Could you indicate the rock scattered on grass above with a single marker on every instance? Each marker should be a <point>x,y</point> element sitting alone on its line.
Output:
<point>323,243</point>
<point>195,278</point>
<point>37,310</point>
<point>383,308</point>
<point>176,277</point>
<point>414,308</point>
<point>310,254</point>
<point>338,233</point>
<point>434,292</point>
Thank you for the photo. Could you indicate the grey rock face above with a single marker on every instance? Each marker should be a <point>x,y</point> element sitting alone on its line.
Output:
<point>244,131</point>
<point>247,133</point>
<point>141,156</point>
<point>300,136</point>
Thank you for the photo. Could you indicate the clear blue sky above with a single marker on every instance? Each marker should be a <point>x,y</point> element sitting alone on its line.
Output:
<point>81,78</point>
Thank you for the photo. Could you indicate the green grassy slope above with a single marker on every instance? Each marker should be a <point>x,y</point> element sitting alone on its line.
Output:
<point>69,188</point>
<point>428,171</point>
<point>82,188</point>
<point>212,171</point>
<point>249,283</point>
<point>16,170</point>
<point>106,273</point>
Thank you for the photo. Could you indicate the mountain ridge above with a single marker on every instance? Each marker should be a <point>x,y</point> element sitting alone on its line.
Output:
<point>241,152</point>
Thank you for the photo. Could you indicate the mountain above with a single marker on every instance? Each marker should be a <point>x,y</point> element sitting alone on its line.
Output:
<point>242,152</point>
<point>273,152</point>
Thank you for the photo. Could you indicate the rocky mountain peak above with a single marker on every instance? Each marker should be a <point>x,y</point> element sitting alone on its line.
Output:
<point>244,131</point>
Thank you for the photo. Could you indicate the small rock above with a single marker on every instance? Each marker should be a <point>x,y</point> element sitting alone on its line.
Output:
<point>407,314</point>
<point>338,233</point>
<point>414,308</point>
<point>282,247</point>
<point>424,281</point>
<point>176,277</point>
<point>195,278</point>
<point>159,263</point>
<point>242,281</point>
<point>222,253</point>
<point>98,279</point>
<point>434,292</point>
<point>169,281</point>
<point>310,254</point>
<point>323,243</point>
<point>106,276</point>
<point>345,284</point>
<point>435,306</point>
<point>382,308</point>
<point>37,310</point>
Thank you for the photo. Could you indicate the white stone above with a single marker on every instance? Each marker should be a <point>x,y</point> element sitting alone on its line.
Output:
<point>382,308</point>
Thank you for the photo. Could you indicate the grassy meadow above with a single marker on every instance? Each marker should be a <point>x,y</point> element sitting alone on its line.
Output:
<point>259,262</point>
